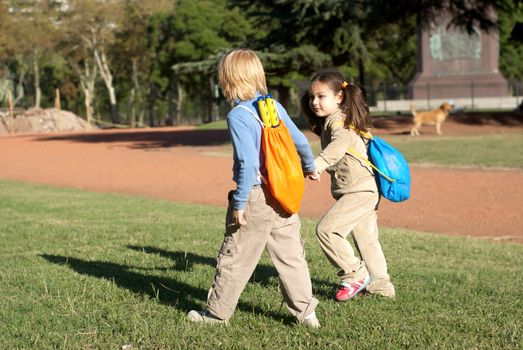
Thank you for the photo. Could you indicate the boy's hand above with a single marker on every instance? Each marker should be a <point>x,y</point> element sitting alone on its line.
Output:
<point>239,217</point>
<point>314,176</point>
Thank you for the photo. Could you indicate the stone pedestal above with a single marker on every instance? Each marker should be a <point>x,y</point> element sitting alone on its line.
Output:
<point>453,64</point>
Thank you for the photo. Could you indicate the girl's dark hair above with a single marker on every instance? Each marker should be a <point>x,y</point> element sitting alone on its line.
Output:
<point>353,104</point>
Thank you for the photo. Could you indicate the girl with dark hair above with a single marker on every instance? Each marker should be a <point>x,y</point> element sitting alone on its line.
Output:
<point>338,113</point>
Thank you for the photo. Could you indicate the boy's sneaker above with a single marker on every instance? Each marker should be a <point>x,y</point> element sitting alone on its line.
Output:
<point>349,290</point>
<point>205,317</point>
<point>311,322</point>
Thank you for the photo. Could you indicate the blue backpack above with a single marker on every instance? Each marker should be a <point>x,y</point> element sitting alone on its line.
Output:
<point>392,170</point>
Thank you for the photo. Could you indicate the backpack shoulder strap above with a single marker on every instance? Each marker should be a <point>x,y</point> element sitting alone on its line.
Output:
<point>251,113</point>
<point>352,150</point>
<point>263,179</point>
<point>365,134</point>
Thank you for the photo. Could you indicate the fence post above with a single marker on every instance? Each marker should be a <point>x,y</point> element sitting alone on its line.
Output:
<point>518,87</point>
<point>472,93</point>
<point>428,95</point>
<point>385,97</point>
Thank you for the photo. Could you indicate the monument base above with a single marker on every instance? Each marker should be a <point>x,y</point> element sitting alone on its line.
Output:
<point>477,85</point>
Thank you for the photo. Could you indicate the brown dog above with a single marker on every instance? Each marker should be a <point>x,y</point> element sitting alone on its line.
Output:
<point>434,117</point>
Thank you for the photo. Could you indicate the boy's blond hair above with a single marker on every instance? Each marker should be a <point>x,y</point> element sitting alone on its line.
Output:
<point>241,75</point>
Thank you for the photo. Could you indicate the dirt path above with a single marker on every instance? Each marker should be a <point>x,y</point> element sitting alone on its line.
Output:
<point>179,164</point>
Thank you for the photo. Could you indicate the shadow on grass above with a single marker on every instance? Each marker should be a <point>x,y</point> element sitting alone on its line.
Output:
<point>184,261</point>
<point>179,295</point>
<point>148,139</point>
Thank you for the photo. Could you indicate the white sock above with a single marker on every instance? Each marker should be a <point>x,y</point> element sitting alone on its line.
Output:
<point>312,315</point>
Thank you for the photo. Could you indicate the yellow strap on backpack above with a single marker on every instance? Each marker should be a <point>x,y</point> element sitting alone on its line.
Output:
<point>350,149</point>
<point>353,151</point>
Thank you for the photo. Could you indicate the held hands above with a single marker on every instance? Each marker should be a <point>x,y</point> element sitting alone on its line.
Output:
<point>314,175</point>
<point>239,217</point>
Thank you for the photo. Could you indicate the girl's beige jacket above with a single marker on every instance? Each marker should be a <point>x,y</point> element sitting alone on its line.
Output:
<point>349,174</point>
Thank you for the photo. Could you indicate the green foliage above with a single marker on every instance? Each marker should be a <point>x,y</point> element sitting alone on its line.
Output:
<point>511,50</point>
<point>372,41</point>
<point>393,53</point>
<point>86,270</point>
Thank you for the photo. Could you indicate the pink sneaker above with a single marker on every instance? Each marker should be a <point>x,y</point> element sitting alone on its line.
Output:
<point>349,290</point>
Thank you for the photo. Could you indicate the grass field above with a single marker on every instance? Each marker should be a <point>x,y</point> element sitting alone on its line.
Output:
<point>87,270</point>
<point>484,151</point>
<point>492,151</point>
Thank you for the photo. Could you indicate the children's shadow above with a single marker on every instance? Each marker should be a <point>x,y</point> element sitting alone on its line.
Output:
<point>184,261</point>
<point>169,291</point>
<point>181,295</point>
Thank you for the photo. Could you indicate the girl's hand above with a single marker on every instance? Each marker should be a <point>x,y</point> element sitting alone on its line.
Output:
<point>314,176</point>
<point>239,217</point>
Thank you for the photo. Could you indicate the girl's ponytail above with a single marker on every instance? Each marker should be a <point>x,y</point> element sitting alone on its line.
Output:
<point>355,108</point>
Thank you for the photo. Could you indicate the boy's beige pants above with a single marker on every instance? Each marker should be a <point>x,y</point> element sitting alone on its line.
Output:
<point>242,248</point>
<point>356,213</point>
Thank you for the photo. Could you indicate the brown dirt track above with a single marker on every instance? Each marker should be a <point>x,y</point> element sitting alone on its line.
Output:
<point>189,165</point>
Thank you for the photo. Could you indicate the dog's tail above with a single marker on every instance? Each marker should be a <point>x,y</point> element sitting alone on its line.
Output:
<point>413,109</point>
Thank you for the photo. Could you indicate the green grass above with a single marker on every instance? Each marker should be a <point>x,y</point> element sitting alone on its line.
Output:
<point>218,125</point>
<point>86,270</point>
<point>498,150</point>
<point>485,151</point>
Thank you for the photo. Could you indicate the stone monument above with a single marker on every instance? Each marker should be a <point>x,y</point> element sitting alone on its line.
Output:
<point>453,63</point>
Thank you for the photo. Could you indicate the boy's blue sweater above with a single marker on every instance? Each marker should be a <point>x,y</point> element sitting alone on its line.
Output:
<point>248,155</point>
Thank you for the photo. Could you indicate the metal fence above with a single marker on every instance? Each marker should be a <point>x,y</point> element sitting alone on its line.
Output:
<point>392,97</point>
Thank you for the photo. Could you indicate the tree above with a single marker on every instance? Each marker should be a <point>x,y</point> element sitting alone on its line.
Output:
<point>348,29</point>
<point>193,33</point>
<point>131,52</point>
<point>94,24</point>
<point>511,46</point>
<point>33,29</point>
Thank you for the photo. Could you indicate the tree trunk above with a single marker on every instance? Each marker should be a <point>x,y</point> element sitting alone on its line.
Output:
<point>152,100</point>
<point>170,103</point>
<point>19,90</point>
<point>11,115</point>
<point>38,92</point>
<point>107,77</point>
<point>214,110</point>
<point>179,103</point>
<point>114,106</point>
<point>88,111</point>
<point>135,92</point>
<point>132,108</point>
<point>87,81</point>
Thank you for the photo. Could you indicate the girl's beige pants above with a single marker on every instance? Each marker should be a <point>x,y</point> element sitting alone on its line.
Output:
<point>354,213</point>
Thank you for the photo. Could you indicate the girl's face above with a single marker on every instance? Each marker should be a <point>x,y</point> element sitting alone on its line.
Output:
<point>322,100</point>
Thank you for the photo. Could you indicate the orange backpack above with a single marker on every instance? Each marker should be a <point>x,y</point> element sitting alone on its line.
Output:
<point>282,161</point>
